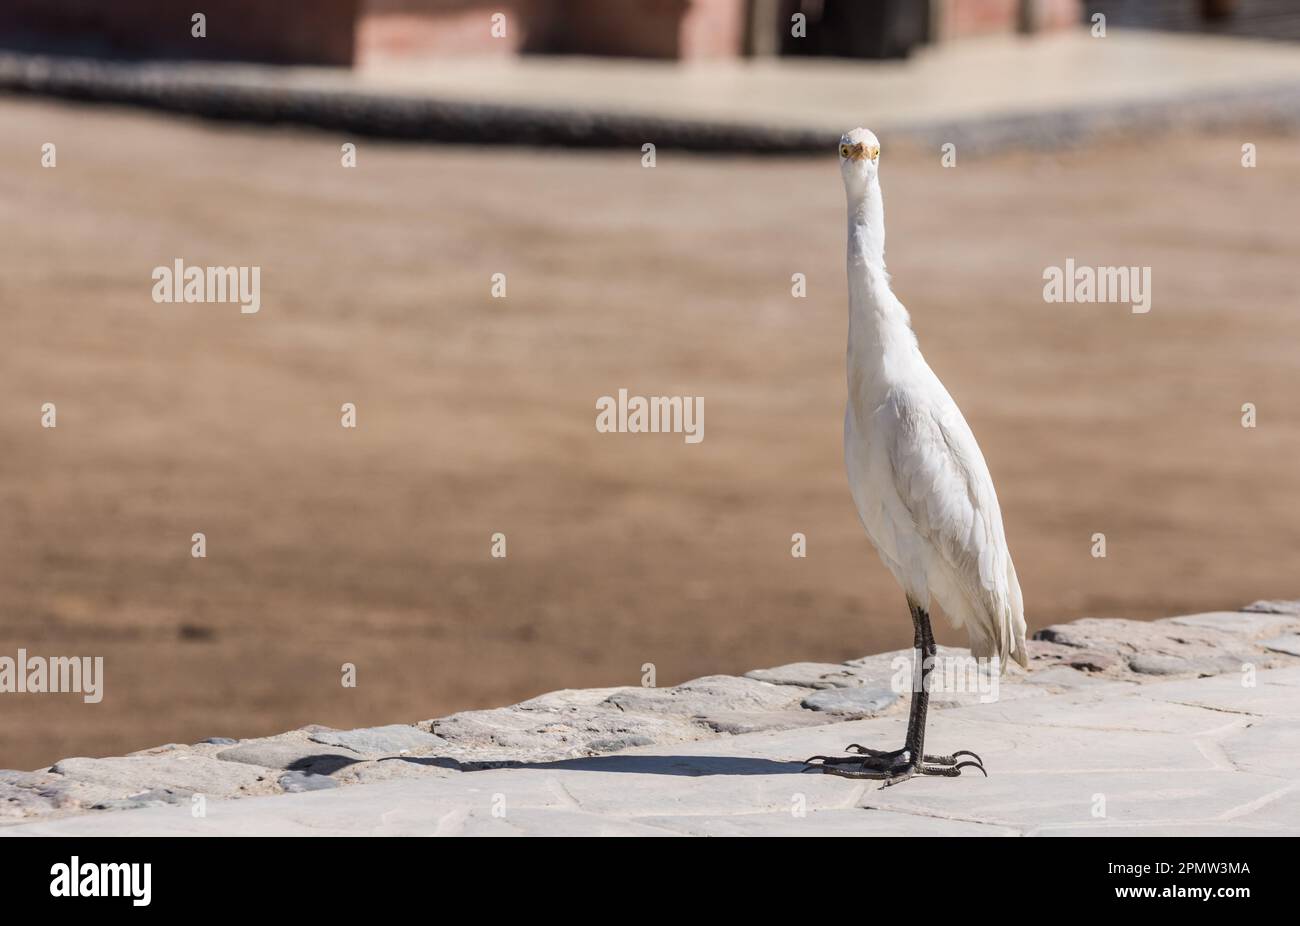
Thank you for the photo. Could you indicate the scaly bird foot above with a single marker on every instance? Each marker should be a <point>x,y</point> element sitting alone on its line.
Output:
<point>895,753</point>
<point>896,774</point>
<point>884,758</point>
<point>892,767</point>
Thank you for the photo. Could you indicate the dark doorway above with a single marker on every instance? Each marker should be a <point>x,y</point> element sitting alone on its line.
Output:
<point>853,29</point>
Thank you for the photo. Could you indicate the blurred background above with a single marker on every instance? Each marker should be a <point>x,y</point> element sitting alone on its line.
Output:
<point>355,32</point>
<point>476,415</point>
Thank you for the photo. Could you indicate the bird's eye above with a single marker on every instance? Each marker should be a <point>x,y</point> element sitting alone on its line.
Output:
<point>844,151</point>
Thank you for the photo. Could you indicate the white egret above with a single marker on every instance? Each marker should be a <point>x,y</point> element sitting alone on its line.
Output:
<point>919,481</point>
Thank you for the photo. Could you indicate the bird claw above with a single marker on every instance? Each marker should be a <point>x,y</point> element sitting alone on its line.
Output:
<point>951,771</point>
<point>951,759</point>
<point>890,767</point>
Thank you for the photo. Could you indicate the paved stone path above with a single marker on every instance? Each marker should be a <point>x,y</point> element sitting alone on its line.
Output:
<point>1185,725</point>
<point>973,79</point>
<point>985,93</point>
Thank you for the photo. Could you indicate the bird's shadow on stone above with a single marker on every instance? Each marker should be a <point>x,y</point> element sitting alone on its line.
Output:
<point>687,766</point>
<point>322,764</point>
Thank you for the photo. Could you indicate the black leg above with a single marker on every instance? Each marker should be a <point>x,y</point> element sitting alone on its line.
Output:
<point>924,649</point>
<point>899,765</point>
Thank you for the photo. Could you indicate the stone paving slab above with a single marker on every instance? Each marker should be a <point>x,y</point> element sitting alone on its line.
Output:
<point>1259,625</point>
<point>852,822</point>
<point>1075,746</point>
<point>1111,830</point>
<point>1278,816</point>
<point>1029,802</point>
<point>1267,747</point>
<point>758,787</point>
<point>1273,696</point>
<point>1288,643</point>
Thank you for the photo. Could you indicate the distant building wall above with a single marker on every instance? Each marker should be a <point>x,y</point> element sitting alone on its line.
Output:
<point>892,28</point>
<point>439,28</point>
<point>714,29</point>
<point>954,19</point>
<point>249,30</point>
<point>343,32</point>
<point>1265,19</point>
<point>347,32</point>
<point>633,28</point>
<point>958,18</point>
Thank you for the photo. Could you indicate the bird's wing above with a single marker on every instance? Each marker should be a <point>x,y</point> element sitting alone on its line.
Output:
<point>942,480</point>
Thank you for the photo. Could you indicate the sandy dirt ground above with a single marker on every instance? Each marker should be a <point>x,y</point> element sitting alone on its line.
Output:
<point>476,415</point>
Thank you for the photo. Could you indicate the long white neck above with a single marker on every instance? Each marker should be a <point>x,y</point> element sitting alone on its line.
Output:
<point>878,323</point>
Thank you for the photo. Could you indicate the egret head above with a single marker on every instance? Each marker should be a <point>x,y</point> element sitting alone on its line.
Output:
<point>859,158</point>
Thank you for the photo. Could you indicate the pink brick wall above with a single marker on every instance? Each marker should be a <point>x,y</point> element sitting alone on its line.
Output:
<point>960,18</point>
<point>714,29</point>
<point>638,28</point>
<point>437,28</point>
<point>974,17</point>
<point>1060,14</point>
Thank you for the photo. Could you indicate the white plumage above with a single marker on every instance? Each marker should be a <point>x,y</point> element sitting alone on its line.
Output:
<point>917,475</point>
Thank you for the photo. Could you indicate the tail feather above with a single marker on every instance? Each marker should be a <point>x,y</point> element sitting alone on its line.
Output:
<point>1018,626</point>
<point>1003,636</point>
